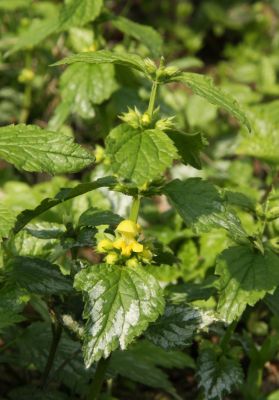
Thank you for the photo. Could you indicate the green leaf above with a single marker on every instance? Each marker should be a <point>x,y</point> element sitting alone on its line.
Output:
<point>12,302</point>
<point>139,156</point>
<point>95,217</point>
<point>141,361</point>
<point>34,149</point>
<point>64,195</point>
<point>200,204</point>
<point>265,142</point>
<point>218,374</point>
<point>7,219</point>
<point>176,327</point>
<point>120,302</point>
<point>189,147</point>
<point>78,13</point>
<point>83,85</point>
<point>272,301</point>
<point>35,34</point>
<point>37,276</point>
<point>143,33</point>
<point>106,57</point>
<point>32,392</point>
<point>203,86</point>
<point>245,277</point>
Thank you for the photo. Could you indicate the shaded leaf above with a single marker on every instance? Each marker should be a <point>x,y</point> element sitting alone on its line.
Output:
<point>189,147</point>
<point>37,276</point>
<point>64,195</point>
<point>176,327</point>
<point>200,204</point>
<point>95,217</point>
<point>7,220</point>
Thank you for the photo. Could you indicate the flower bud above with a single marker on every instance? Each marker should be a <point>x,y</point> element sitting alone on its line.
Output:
<point>26,75</point>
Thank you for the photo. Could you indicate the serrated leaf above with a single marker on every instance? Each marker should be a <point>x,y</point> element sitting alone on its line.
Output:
<point>95,217</point>
<point>34,149</point>
<point>141,363</point>
<point>265,142</point>
<point>106,57</point>
<point>189,147</point>
<point>120,302</point>
<point>36,276</point>
<point>176,327</point>
<point>245,277</point>
<point>200,204</point>
<point>83,85</point>
<point>63,195</point>
<point>203,86</point>
<point>78,13</point>
<point>139,156</point>
<point>7,219</point>
<point>218,374</point>
<point>12,301</point>
<point>143,33</point>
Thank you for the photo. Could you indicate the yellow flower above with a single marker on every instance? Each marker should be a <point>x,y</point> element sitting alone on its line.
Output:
<point>111,258</point>
<point>127,246</point>
<point>104,245</point>
<point>26,75</point>
<point>128,228</point>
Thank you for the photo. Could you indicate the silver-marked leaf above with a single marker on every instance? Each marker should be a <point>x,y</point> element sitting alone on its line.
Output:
<point>145,34</point>
<point>7,219</point>
<point>139,156</point>
<point>218,374</point>
<point>246,276</point>
<point>36,276</point>
<point>203,86</point>
<point>106,57</point>
<point>78,13</point>
<point>200,204</point>
<point>120,303</point>
<point>176,327</point>
<point>34,149</point>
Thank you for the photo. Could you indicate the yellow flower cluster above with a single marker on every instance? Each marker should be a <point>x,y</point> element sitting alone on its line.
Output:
<point>125,248</point>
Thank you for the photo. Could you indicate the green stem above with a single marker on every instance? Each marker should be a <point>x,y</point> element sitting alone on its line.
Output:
<point>227,337</point>
<point>26,104</point>
<point>135,209</point>
<point>98,380</point>
<point>56,336</point>
<point>152,99</point>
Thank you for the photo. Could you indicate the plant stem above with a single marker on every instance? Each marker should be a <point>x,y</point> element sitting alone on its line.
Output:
<point>24,114</point>
<point>98,380</point>
<point>227,337</point>
<point>152,99</point>
<point>135,209</point>
<point>56,336</point>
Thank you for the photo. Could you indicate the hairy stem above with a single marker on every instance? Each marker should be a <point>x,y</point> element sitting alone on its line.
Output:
<point>98,380</point>
<point>56,336</point>
<point>228,335</point>
<point>135,209</point>
<point>152,99</point>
